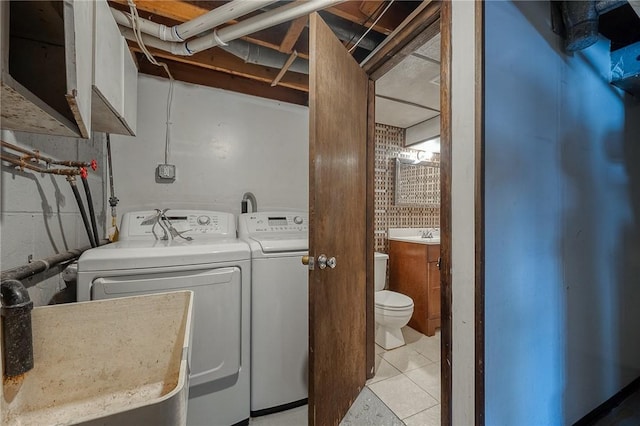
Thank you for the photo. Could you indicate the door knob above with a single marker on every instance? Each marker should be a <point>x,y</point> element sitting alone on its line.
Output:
<point>324,261</point>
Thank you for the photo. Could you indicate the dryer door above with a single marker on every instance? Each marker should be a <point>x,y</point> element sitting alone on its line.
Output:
<point>216,311</point>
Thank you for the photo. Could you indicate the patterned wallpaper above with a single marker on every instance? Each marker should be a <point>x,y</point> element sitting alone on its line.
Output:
<point>389,144</point>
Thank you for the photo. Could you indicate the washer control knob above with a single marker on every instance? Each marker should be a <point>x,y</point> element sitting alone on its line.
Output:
<point>203,220</point>
<point>297,220</point>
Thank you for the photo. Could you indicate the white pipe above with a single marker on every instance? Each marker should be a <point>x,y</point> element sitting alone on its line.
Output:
<point>265,20</point>
<point>202,23</point>
<point>150,41</point>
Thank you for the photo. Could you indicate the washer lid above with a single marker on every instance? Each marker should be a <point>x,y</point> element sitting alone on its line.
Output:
<point>391,300</point>
<point>136,254</point>
<point>282,242</point>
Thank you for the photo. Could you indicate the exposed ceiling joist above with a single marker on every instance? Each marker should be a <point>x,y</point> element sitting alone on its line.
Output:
<point>369,6</point>
<point>284,69</point>
<point>221,80</point>
<point>219,60</point>
<point>181,11</point>
<point>293,34</point>
<point>351,11</point>
<point>350,20</point>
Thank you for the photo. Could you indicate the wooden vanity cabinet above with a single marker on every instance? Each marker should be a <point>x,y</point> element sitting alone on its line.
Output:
<point>413,270</point>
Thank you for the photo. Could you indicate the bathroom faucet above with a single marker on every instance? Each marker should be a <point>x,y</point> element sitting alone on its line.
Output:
<point>426,233</point>
<point>254,203</point>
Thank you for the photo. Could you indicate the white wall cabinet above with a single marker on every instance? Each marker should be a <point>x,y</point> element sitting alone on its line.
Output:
<point>46,67</point>
<point>66,69</point>
<point>115,77</point>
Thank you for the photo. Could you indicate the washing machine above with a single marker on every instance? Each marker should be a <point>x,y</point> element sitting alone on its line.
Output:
<point>279,309</point>
<point>200,253</point>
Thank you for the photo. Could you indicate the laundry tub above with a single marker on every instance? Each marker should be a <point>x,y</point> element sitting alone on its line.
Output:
<point>109,362</point>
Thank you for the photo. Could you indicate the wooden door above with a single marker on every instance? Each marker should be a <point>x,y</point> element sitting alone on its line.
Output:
<point>337,214</point>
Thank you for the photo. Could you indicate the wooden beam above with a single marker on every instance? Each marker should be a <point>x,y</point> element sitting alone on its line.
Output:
<point>410,29</point>
<point>350,11</point>
<point>218,60</point>
<point>293,33</point>
<point>369,6</point>
<point>220,80</point>
<point>284,69</point>
<point>181,11</point>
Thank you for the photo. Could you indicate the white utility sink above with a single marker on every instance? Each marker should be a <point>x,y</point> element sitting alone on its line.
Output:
<point>111,362</point>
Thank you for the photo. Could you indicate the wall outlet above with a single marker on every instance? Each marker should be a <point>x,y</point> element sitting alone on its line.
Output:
<point>166,171</point>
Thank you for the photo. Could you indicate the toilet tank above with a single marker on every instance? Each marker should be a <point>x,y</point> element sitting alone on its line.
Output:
<point>380,270</point>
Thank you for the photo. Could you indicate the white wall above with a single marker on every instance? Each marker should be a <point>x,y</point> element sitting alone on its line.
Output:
<point>562,215</point>
<point>463,83</point>
<point>39,215</point>
<point>222,143</point>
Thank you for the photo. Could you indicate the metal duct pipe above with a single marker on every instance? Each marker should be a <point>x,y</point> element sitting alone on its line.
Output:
<point>604,6</point>
<point>255,54</point>
<point>202,23</point>
<point>581,24</point>
<point>346,31</point>
<point>220,37</point>
<point>580,20</point>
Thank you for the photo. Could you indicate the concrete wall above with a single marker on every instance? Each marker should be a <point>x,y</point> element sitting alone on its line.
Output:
<point>562,214</point>
<point>39,216</point>
<point>222,143</point>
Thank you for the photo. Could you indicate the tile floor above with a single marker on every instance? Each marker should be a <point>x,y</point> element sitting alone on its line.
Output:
<point>407,380</point>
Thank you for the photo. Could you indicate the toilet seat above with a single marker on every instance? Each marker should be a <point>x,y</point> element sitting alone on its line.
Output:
<point>392,301</point>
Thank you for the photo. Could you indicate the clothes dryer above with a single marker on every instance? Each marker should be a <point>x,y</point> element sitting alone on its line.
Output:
<point>279,309</point>
<point>206,258</point>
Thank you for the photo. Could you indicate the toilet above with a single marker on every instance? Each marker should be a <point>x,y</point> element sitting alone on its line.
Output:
<point>392,310</point>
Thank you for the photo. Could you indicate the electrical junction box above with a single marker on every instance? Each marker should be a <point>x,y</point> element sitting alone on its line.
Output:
<point>166,171</point>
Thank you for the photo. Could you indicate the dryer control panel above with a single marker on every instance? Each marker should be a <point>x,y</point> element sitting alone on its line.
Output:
<point>140,224</point>
<point>261,223</point>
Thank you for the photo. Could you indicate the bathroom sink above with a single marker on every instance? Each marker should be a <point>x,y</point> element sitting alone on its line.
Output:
<point>416,239</point>
<point>110,362</point>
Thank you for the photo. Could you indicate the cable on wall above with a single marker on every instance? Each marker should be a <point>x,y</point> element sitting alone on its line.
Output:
<point>138,35</point>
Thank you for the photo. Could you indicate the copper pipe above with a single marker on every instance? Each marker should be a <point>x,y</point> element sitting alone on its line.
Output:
<point>20,162</point>
<point>72,163</point>
<point>35,154</point>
